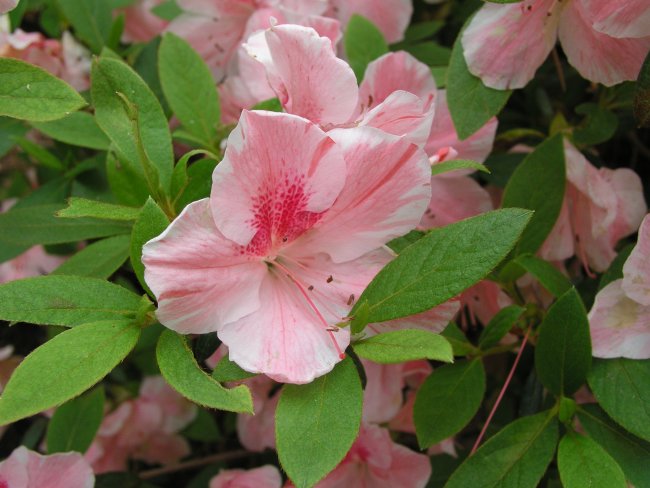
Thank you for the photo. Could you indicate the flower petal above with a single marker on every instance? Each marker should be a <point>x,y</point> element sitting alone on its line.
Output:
<point>636,270</point>
<point>619,18</point>
<point>61,470</point>
<point>390,16</point>
<point>263,477</point>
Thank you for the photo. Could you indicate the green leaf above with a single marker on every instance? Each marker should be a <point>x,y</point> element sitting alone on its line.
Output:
<point>442,264</point>
<point>82,207</point>
<point>630,452</point>
<point>98,260</point>
<point>615,270</point>
<point>499,326</point>
<point>422,30</point>
<point>199,182</point>
<point>37,224</point>
<point>77,129</point>
<point>65,300</point>
<point>401,243</point>
<point>582,462</point>
<point>598,126</point>
<point>125,181</point>
<point>227,370</point>
<point>167,10</point>
<point>448,400</point>
<point>204,428</point>
<point>430,53</point>
<point>455,165</point>
<point>471,103</point>
<point>316,423</point>
<point>129,114</point>
<point>272,105</point>
<point>459,343</point>
<point>548,275</point>
<point>363,43</point>
<point>75,423</point>
<point>151,223</point>
<point>189,88</point>
<point>641,106</point>
<point>91,20</point>
<point>622,387</point>
<point>404,345</point>
<point>517,456</point>
<point>10,129</point>
<point>538,184</point>
<point>40,154</point>
<point>65,367</point>
<point>180,370</point>
<point>563,351</point>
<point>31,93</point>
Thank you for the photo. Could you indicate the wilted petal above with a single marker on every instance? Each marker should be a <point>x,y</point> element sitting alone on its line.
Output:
<point>201,279</point>
<point>505,44</point>
<point>599,57</point>
<point>264,477</point>
<point>620,327</point>
<point>390,16</point>
<point>619,18</point>
<point>636,270</point>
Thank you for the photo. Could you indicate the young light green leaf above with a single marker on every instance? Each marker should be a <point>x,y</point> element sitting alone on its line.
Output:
<point>404,345</point>
<point>448,400</point>
<point>189,88</point>
<point>563,351</point>
<point>31,93</point>
<point>364,43</point>
<point>272,105</point>
<point>227,370</point>
<point>455,165</point>
<point>442,264</point>
<point>548,275</point>
<point>82,207</point>
<point>65,367</point>
<point>538,184</point>
<point>499,326</point>
<point>129,114</point>
<point>91,20</point>
<point>180,370</point>
<point>98,260</point>
<point>622,387</point>
<point>582,462</point>
<point>630,452</point>
<point>316,423</point>
<point>517,456</point>
<point>76,129</point>
<point>151,222</point>
<point>66,300</point>
<point>75,423</point>
<point>471,103</point>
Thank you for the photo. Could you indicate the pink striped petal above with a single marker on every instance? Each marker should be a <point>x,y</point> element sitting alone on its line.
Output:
<point>505,44</point>
<point>390,16</point>
<point>29,469</point>
<point>599,57</point>
<point>619,18</point>
<point>636,271</point>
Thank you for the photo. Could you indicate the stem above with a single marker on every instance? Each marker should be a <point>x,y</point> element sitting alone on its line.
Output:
<point>194,463</point>
<point>558,68</point>
<point>501,393</point>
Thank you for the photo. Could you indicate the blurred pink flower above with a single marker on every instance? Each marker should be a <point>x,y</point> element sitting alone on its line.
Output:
<point>605,40</point>
<point>391,17</point>
<point>292,233</point>
<point>264,477</point>
<point>144,428</point>
<point>140,23</point>
<point>29,469</point>
<point>7,5</point>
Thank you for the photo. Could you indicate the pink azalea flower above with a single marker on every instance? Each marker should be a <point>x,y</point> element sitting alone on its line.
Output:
<point>484,300</point>
<point>8,363</point>
<point>264,477</point>
<point>391,17</point>
<point>292,233</point>
<point>29,469</point>
<point>145,428</point>
<point>375,461</point>
<point>620,316</point>
<point>505,44</point>
<point>257,432</point>
<point>7,5</point>
<point>140,23</point>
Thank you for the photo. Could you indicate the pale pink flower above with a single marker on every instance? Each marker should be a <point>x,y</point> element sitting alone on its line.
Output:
<point>620,315</point>
<point>140,23</point>
<point>291,235</point>
<point>7,5</point>
<point>505,44</point>
<point>29,469</point>
<point>375,461</point>
<point>144,428</point>
<point>391,17</point>
<point>263,477</point>
<point>484,300</point>
<point>8,363</point>
<point>257,432</point>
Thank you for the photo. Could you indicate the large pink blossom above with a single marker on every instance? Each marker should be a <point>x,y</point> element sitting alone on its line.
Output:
<point>29,469</point>
<point>620,316</point>
<point>145,428</point>
<point>375,461</point>
<point>291,235</point>
<point>264,477</point>
<point>605,40</point>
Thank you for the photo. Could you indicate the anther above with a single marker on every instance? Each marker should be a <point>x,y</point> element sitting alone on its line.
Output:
<point>351,299</point>
<point>330,279</point>
<point>310,287</point>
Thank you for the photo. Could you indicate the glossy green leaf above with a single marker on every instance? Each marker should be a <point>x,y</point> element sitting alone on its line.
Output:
<point>75,423</point>
<point>448,400</point>
<point>459,343</point>
<point>563,351</point>
<point>180,370</point>
<point>66,300</point>
<point>404,345</point>
<point>582,462</point>
<point>517,456</point>
<point>151,222</point>
<point>364,43</point>
<point>622,387</point>
<point>442,264</point>
<point>76,129</point>
<point>455,165</point>
<point>499,326</point>
<point>548,275</point>
<point>199,182</point>
<point>538,184</point>
<point>98,260</point>
<point>31,93</point>
<point>227,370</point>
<point>316,423</point>
<point>65,367</point>
<point>82,207</point>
